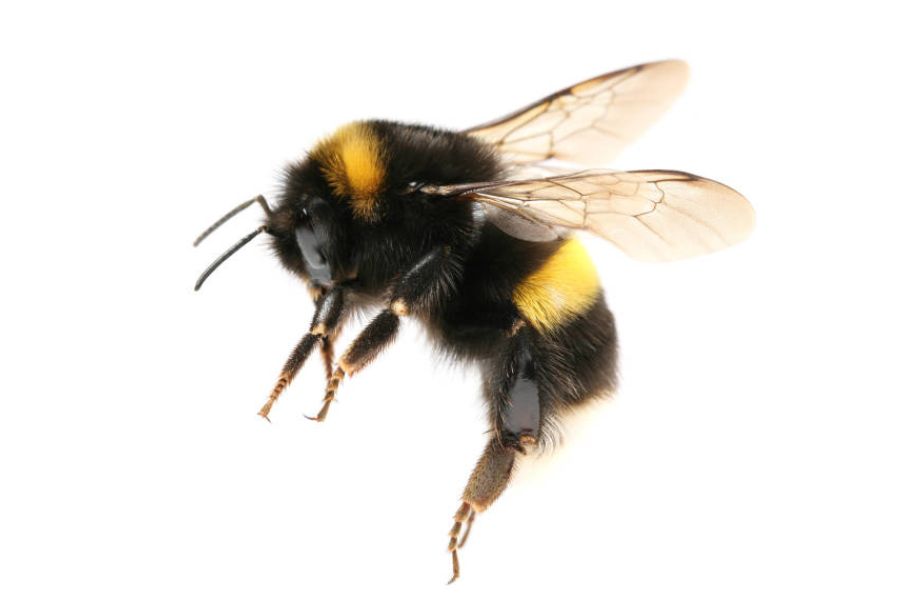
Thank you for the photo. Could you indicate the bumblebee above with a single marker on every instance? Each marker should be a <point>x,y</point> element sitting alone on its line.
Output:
<point>471,234</point>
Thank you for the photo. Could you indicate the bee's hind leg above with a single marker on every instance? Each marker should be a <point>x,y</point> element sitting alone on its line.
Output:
<point>487,482</point>
<point>513,395</point>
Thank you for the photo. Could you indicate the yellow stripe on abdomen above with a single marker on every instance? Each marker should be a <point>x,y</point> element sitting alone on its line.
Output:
<point>563,287</point>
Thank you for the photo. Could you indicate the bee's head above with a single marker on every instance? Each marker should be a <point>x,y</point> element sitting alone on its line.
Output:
<point>309,229</point>
<point>336,184</point>
<point>360,179</point>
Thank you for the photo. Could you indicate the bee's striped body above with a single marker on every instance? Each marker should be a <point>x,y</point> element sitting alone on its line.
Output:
<point>532,306</point>
<point>562,288</point>
<point>442,226</point>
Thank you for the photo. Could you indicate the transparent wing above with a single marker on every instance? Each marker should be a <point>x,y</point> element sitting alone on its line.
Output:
<point>590,122</point>
<point>649,215</point>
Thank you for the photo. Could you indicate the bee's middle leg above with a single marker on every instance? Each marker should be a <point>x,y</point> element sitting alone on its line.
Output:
<point>416,291</point>
<point>377,335</point>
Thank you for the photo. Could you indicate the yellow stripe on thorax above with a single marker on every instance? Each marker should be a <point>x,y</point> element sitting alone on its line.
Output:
<point>353,163</point>
<point>562,288</point>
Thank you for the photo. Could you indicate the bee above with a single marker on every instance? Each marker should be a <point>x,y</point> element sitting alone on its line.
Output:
<point>471,233</point>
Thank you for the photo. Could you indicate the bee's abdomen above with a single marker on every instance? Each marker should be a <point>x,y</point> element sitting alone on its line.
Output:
<point>565,286</point>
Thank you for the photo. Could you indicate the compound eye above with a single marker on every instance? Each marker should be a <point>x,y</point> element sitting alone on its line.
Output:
<point>311,247</point>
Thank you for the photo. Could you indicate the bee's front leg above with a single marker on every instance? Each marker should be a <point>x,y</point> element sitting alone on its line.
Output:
<point>416,291</point>
<point>326,320</point>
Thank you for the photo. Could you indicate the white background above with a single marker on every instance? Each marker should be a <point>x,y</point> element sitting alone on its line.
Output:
<point>752,449</point>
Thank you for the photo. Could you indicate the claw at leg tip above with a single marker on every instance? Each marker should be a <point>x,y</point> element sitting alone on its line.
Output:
<point>455,568</point>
